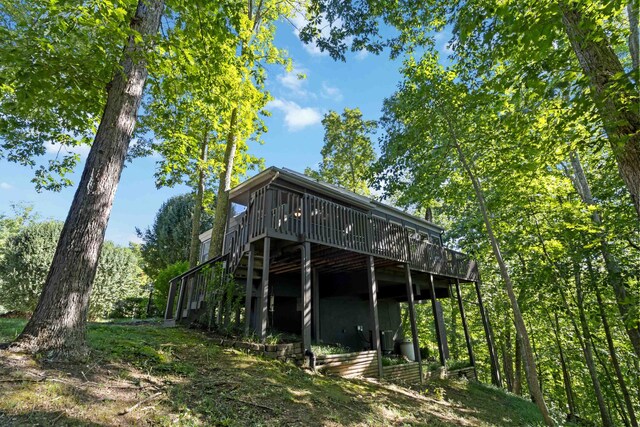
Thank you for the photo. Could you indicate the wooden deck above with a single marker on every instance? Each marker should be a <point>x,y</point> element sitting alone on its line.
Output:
<point>304,217</point>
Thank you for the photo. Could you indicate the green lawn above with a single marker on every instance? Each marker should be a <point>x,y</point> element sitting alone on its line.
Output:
<point>180,377</point>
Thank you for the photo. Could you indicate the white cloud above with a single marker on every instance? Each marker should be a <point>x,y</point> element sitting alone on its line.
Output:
<point>331,92</point>
<point>361,54</point>
<point>295,81</point>
<point>295,116</point>
<point>5,186</point>
<point>134,238</point>
<point>82,150</point>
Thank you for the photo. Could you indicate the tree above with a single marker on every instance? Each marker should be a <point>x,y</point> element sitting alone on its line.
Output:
<point>347,154</point>
<point>27,258</point>
<point>438,114</point>
<point>167,241</point>
<point>59,321</point>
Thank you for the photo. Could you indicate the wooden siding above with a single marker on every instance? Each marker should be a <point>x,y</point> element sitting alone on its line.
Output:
<point>405,373</point>
<point>285,214</point>
<point>363,363</point>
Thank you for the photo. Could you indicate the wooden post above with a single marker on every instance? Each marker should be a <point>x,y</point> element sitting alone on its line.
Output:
<point>168,312</point>
<point>249,289</point>
<point>495,371</point>
<point>306,295</point>
<point>183,289</point>
<point>436,319</point>
<point>463,316</point>
<point>412,318</point>
<point>315,302</point>
<point>373,308</point>
<point>264,291</point>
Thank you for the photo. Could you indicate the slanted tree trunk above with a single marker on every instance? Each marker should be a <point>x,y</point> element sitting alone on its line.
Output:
<point>222,199</point>
<point>588,353</point>
<point>59,320</point>
<point>566,377</point>
<point>612,353</point>
<point>194,247</point>
<point>528,358</point>
<point>615,95</point>
<point>614,271</point>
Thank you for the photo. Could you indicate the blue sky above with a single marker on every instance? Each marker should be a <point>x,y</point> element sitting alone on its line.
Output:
<point>294,138</point>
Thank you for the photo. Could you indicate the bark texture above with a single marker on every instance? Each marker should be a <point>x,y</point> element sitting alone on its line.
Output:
<point>615,95</point>
<point>197,205</point>
<point>59,320</point>
<point>222,199</point>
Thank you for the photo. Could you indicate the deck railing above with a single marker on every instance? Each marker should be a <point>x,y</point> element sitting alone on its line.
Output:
<point>294,216</point>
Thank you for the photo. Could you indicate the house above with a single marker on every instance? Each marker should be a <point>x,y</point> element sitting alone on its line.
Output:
<point>328,265</point>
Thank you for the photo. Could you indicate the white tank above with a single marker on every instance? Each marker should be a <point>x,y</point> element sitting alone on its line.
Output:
<point>406,349</point>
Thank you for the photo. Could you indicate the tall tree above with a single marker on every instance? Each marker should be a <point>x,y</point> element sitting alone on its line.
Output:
<point>59,321</point>
<point>440,112</point>
<point>347,154</point>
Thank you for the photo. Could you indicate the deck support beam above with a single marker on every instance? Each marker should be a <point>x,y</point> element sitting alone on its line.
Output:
<point>412,318</point>
<point>437,320</point>
<point>183,290</point>
<point>306,296</point>
<point>168,312</point>
<point>495,371</point>
<point>315,302</point>
<point>249,289</point>
<point>463,316</point>
<point>373,308</point>
<point>264,291</point>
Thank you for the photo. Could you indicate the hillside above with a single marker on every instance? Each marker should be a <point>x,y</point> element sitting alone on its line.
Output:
<point>148,375</point>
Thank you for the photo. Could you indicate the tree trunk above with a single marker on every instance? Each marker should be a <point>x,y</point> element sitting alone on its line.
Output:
<point>566,378</point>
<point>634,43</point>
<point>222,199</point>
<point>614,272</point>
<point>194,247</point>
<point>507,361</point>
<point>588,353</point>
<point>59,320</point>
<point>529,360</point>
<point>614,357</point>
<point>615,95</point>
<point>517,376</point>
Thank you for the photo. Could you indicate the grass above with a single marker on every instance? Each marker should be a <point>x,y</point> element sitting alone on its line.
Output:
<point>148,375</point>
<point>324,349</point>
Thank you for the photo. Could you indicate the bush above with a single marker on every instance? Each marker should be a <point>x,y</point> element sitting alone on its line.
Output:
<point>161,284</point>
<point>133,307</point>
<point>25,263</point>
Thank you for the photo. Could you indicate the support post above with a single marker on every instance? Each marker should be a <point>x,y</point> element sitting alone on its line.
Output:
<point>412,318</point>
<point>463,316</point>
<point>315,302</point>
<point>436,318</point>
<point>373,308</point>
<point>264,291</point>
<point>183,289</point>
<point>168,312</point>
<point>495,371</point>
<point>249,289</point>
<point>306,295</point>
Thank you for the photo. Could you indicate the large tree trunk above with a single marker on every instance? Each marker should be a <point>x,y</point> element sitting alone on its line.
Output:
<point>527,353</point>
<point>58,322</point>
<point>615,95</point>
<point>222,199</point>
<point>614,272</point>
<point>612,353</point>
<point>194,248</point>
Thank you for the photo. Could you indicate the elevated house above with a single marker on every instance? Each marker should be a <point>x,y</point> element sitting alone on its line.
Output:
<point>330,266</point>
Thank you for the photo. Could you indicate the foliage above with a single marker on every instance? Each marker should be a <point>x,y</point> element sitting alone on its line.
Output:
<point>57,59</point>
<point>161,283</point>
<point>27,258</point>
<point>132,307</point>
<point>347,154</point>
<point>324,349</point>
<point>167,240</point>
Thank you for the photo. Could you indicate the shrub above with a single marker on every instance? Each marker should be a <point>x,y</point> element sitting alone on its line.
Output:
<point>161,284</point>
<point>25,263</point>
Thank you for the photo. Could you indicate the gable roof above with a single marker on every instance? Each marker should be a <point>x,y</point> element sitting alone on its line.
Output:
<point>332,190</point>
